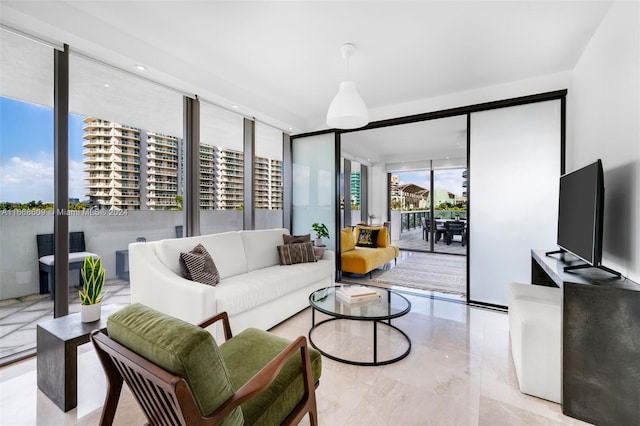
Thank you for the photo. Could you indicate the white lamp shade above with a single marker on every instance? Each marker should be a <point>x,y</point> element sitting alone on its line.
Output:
<point>347,110</point>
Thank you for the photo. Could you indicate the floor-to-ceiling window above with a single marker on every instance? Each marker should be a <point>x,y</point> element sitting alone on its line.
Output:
<point>26,186</point>
<point>221,169</point>
<point>267,177</point>
<point>126,158</point>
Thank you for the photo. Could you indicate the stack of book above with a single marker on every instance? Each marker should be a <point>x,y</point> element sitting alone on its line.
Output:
<point>357,293</point>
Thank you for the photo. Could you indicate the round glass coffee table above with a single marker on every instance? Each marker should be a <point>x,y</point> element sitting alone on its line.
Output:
<point>378,310</point>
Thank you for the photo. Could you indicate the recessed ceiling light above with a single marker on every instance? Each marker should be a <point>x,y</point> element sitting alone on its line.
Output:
<point>140,67</point>
<point>290,128</point>
<point>235,106</point>
<point>106,85</point>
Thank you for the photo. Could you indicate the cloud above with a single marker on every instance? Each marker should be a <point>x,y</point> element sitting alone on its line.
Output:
<point>23,180</point>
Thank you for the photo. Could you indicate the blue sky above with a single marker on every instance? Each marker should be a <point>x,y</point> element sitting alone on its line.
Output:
<point>26,152</point>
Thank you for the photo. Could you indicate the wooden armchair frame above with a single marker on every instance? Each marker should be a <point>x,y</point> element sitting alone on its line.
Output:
<point>166,398</point>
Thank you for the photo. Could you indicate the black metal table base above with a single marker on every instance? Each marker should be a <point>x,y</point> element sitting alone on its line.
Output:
<point>375,342</point>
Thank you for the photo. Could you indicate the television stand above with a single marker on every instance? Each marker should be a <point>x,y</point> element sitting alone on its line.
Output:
<point>600,340</point>
<point>582,265</point>
<point>549,253</point>
<point>586,265</point>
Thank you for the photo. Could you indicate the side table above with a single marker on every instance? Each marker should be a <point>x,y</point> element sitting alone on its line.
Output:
<point>57,356</point>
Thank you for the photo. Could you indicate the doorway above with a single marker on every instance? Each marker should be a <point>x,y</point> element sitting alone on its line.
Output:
<point>431,206</point>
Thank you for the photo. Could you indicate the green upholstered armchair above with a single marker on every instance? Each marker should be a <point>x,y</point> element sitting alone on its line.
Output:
<point>179,375</point>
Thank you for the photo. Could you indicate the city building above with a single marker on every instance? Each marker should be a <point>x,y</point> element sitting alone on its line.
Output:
<point>355,188</point>
<point>120,160</point>
<point>163,168</point>
<point>112,164</point>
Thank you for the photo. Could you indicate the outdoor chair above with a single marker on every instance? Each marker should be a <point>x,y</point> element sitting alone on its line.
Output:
<point>46,259</point>
<point>179,375</point>
<point>455,227</point>
<point>426,229</point>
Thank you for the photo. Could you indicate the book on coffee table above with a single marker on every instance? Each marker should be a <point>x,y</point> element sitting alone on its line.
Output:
<point>357,294</point>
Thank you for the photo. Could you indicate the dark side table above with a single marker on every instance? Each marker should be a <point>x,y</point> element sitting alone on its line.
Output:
<point>57,355</point>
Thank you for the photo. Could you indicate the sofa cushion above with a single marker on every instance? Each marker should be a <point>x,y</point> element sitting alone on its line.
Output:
<point>197,265</point>
<point>226,248</point>
<point>292,239</point>
<point>261,247</point>
<point>244,292</point>
<point>347,240</point>
<point>251,350</point>
<point>291,254</point>
<point>180,348</point>
<point>367,237</point>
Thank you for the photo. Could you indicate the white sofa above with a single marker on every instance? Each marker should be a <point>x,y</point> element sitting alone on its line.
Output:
<point>535,324</point>
<point>254,289</point>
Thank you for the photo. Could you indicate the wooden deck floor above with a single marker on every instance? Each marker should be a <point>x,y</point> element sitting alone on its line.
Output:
<point>412,240</point>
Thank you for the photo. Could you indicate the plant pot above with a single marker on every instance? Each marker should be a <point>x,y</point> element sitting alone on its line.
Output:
<point>319,252</point>
<point>90,313</point>
<point>318,242</point>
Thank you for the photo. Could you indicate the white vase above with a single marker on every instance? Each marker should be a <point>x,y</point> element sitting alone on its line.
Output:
<point>90,313</point>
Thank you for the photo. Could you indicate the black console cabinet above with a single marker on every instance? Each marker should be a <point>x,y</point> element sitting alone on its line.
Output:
<point>600,340</point>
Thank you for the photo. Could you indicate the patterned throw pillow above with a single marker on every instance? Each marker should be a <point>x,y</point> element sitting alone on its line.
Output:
<point>198,266</point>
<point>293,239</point>
<point>296,253</point>
<point>367,238</point>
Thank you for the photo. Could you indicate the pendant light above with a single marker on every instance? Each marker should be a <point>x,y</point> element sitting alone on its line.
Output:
<point>347,110</point>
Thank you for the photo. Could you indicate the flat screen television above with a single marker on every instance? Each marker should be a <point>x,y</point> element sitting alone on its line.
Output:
<point>581,216</point>
<point>581,211</point>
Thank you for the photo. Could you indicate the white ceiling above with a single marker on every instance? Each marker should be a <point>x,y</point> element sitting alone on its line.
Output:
<point>280,61</point>
<point>410,146</point>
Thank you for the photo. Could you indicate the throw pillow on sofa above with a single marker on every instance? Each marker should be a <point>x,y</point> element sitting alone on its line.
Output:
<point>197,265</point>
<point>347,240</point>
<point>367,238</point>
<point>293,239</point>
<point>296,253</point>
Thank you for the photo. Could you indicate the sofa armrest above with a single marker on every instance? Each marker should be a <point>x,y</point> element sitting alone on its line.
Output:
<point>329,255</point>
<point>155,285</point>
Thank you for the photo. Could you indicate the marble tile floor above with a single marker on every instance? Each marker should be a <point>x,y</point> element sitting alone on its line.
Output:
<point>459,372</point>
<point>19,317</point>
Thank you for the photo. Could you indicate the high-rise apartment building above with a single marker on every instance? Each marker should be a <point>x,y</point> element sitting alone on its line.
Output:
<point>228,178</point>
<point>268,183</point>
<point>207,173</point>
<point>355,188</point>
<point>120,160</point>
<point>164,167</point>
<point>112,164</point>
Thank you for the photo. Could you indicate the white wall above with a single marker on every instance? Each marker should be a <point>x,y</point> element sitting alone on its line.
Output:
<point>377,192</point>
<point>604,122</point>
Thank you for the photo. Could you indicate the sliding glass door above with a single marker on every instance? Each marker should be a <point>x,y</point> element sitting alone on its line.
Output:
<point>515,156</point>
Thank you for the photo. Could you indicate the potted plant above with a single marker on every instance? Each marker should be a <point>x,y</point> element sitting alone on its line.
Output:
<point>321,232</point>
<point>92,291</point>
